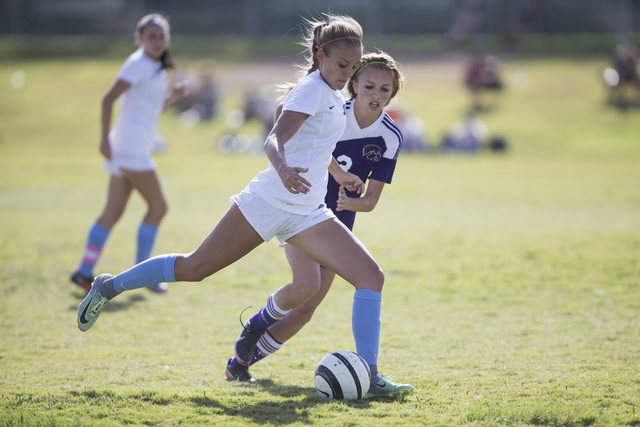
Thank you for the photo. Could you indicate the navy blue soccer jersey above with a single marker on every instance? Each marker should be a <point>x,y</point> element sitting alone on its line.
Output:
<point>370,153</point>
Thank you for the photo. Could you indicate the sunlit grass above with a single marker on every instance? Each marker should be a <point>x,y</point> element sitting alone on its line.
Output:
<point>512,292</point>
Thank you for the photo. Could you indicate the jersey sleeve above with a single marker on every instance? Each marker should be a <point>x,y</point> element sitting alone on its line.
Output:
<point>303,98</point>
<point>133,71</point>
<point>383,170</point>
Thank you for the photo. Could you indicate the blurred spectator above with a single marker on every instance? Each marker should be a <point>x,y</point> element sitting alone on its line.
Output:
<point>482,78</point>
<point>624,77</point>
<point>202,103</point>
<point>471,135</point>
<point>467,135</point>
<point>528,20</point>
<point>412,128</point>
<point>467,24</point>
<point>260,104</point>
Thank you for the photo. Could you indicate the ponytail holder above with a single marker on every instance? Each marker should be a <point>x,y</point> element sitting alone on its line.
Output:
<point>335,40</point>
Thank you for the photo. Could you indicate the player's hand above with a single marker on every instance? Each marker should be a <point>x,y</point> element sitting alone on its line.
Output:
<point>180,91</point>
<point>105,149</point>
<point>351,182</point>
<point>343,200</point>
<point>293,181</point>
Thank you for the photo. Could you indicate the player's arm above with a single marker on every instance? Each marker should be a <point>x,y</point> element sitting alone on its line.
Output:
<point>179,92</point>
<point>278,111</point>
<point>285,127</point>
<point>346,179</point>
<point>117,89</point>
<point>365,203</point>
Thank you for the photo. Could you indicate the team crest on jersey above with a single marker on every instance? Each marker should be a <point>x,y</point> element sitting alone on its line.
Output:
<point>344,109</point>
<point>372,152</point>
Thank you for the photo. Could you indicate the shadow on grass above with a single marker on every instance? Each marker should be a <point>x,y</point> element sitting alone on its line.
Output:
<point>292,404</point>
<point>286,405</point>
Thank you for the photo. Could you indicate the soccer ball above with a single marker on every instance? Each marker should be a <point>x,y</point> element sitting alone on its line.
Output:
<point>342,375</point>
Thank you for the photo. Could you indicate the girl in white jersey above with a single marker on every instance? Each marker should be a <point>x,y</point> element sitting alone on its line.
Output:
<point>141,87</point>
<point>285,201</point>
<point>368,148</point>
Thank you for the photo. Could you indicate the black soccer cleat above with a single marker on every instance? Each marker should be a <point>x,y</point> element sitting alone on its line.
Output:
<point>82,281</point>
<point>246,343</point>
<point>238,373</point>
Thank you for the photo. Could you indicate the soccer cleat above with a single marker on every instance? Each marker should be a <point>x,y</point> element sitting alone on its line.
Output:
<point>82,281</point>
<point>238,373</point>
<point>160,288</point>
<point>383,386</point>
<point>246,343</point>
<point>92,305</point>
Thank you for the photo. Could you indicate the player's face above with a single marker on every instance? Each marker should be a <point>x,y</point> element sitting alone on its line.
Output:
<point>373,88</point>
<point>337,68</point>
<point>153,41</point>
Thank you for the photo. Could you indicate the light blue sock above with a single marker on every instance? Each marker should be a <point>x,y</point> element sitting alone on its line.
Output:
<point>96,239</point>
<point>146,238</point>
<point>365,323</point>
<point>150,272</point>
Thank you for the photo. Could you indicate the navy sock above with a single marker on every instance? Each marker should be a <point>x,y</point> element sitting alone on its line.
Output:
<point>268,315</point>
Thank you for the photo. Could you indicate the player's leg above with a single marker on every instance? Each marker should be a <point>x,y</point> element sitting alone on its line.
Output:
<point>309,278</point>
<point>293,321</point>
<point>231,239</point>
<point>332,245</point>
<point>301,314</point>
<point>148,185</point>
<point>117,197</point>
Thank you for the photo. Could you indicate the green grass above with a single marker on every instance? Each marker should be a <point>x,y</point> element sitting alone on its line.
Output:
<point>513,281</point>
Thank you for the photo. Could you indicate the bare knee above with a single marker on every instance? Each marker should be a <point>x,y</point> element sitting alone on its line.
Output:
<point>307,288</point>
<point>374,281</point>
<point>189,269</point>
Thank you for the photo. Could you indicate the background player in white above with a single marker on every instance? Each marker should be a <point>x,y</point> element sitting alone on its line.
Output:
<point>141,87</point>
<point>368,148</point>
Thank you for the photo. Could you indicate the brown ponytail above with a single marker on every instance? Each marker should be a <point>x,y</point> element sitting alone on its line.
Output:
<point>332,31</point>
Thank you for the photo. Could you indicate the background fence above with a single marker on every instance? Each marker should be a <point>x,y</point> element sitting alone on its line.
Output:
<point>255,18</point>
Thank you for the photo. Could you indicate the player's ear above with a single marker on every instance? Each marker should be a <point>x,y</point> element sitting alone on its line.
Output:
<point>321,55</point>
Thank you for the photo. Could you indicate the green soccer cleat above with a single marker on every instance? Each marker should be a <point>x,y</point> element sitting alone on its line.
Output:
<point>384,387</point>
<point>92,305</point>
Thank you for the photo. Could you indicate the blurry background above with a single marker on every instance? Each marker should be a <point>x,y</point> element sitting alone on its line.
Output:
<point>256,18</point>
<point>477,46</point>
<point>510,236</point>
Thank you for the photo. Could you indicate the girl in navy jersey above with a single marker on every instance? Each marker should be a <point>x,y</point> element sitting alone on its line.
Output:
<point>368,148</point>
<point>141,87</point>
<point>285,201</point>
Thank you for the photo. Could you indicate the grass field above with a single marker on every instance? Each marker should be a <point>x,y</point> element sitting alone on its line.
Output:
<point>513,281</point>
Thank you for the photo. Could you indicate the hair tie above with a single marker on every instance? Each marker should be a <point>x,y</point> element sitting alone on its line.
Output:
<point>335,40</point>
<point>375,62</point>
<point>159,21</point>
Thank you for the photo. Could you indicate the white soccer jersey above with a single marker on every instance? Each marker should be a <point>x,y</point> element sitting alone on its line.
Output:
<point>140,105</point>
<point>310,147</point>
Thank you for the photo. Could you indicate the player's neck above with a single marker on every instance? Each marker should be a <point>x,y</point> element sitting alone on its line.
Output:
<point>365,117</point>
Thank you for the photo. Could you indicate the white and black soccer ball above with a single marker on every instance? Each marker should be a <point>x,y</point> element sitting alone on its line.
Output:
<point>342,375</point>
